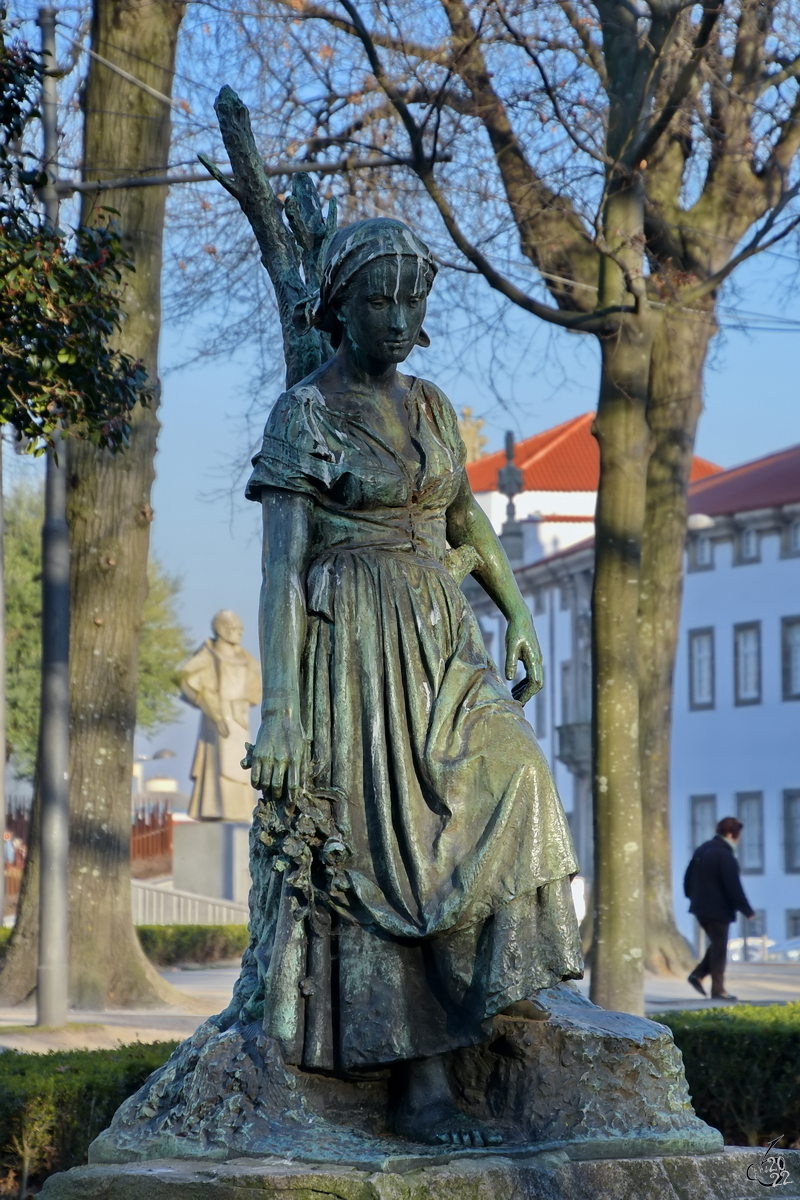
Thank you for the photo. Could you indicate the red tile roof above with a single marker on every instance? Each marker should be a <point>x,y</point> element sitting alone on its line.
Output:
<point>764,483</point>
<point>562,459</point>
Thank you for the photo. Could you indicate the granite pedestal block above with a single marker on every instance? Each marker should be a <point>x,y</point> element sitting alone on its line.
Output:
<point>595,1082</point>
<point>549,1175</point>
<point>212,858</point>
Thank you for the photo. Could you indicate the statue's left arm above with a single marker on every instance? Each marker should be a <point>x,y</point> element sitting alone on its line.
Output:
<point>468,525</point>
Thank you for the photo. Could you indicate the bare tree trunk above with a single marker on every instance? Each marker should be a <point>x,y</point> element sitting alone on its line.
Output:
<point>675,401</point>
<point>127,132</point>
<point>625,444</point>
<point>624,439</point>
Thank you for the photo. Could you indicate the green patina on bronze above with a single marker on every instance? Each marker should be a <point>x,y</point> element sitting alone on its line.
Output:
<point>458,851</point>
<point>410,856</point>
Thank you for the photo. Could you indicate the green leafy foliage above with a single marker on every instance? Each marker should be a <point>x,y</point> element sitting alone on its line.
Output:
<point>53,1105</point>
<point>166,945</point>
<point>743,1069</point>
<point>24,512</point>
<point>163,644</point>
<point>60,296</point>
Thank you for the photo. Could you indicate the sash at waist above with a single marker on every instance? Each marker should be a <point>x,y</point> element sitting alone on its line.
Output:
<point>325,571</point>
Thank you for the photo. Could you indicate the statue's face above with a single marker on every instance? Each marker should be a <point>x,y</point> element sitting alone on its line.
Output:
<point>384,311</point>
<point>229,628</point>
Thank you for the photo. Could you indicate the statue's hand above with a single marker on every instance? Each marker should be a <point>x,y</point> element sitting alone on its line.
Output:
<point>523,644</point>
<point>277,755</point>
<point>222,726</point>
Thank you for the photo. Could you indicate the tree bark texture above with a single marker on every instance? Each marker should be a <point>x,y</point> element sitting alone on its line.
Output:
<point>673,410</point>
<point>127,132</point>
<point>625,444</point>
<point>624,439</point>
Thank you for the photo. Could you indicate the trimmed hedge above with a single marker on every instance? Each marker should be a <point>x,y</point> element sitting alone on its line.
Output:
<point>166,945</point>
<point>53,1105</point>
<point>743,1069</point>
<point>742,1064</point>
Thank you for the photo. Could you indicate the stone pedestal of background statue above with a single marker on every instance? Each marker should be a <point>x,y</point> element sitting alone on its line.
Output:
<point>212,858</point>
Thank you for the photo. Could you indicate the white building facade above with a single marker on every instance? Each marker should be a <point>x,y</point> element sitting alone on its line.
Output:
<point>736,702</point>
<point>736,706</point>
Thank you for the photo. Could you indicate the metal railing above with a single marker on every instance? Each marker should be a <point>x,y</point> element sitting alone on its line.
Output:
<point>151,839</point>
<point>155,905</point>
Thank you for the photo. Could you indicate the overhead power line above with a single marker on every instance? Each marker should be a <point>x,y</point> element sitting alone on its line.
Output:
<point>145,87</point>
<point>66,187</point>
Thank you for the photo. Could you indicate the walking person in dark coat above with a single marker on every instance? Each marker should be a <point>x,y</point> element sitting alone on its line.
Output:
<point>712,884</point>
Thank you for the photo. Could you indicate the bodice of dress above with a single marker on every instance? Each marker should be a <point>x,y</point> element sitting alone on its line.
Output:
<point>368,495</point>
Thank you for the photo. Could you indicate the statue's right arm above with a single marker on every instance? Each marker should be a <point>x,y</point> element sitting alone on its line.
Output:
<point>279,748</point>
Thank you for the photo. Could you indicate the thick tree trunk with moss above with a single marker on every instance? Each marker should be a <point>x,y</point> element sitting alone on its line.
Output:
<point>625,443</point>
<point>624,439</point>
<point>127,133</point>
<point>673,410</point>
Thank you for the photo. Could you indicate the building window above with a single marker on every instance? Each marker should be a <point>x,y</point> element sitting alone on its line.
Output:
<point>791,830</point>
<point>701,668</point>
<point>748,545</point>
<point>703,555</point>
<point>539,605</point>
<point>567,707</point>
<point>790,654</point>
<point>791,537</point>
<point>540,712</point>
<point>747,662</point>
<point>750,810</point>
<point>793,922</point>
<point>704,819</point>
<point>750,931</point>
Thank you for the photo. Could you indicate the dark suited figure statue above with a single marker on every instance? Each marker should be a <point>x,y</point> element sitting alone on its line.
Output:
<point>712,884</point>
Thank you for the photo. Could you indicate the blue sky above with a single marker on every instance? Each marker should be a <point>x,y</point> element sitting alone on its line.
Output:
<point>208,535</point>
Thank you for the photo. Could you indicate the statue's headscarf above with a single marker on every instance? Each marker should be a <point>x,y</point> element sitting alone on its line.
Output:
<point>352,248</point>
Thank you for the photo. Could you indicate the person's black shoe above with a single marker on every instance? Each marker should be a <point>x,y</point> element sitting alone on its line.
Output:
<point>696,984</point>
<point>722,996</point>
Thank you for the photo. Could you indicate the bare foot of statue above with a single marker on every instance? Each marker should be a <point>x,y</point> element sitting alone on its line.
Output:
<point>428,1113</point>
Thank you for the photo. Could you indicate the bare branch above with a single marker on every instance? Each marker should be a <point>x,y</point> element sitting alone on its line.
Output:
<point>756,245</point>
<point>789,70</point>
<point>303,11</point>
<point>520,40</point>
<point>422,166</point>
<point>711,13</point>
<point>593,52</point>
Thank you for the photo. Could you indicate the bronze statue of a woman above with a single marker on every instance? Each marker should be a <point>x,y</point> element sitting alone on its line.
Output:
<point>452,852</point>
<point>411,920</point>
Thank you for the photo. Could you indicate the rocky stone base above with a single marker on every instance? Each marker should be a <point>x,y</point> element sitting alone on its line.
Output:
<point>604,1084</point>
<point>547,1176</point>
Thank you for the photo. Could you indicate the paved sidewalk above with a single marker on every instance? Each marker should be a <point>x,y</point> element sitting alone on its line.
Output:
<point>751,983</point>
<point>208,990</point>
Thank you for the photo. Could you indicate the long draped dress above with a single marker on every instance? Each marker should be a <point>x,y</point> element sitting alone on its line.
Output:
<point>460,853</point>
